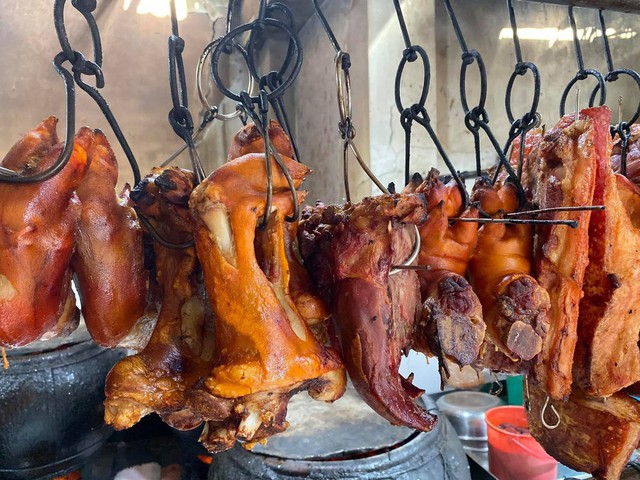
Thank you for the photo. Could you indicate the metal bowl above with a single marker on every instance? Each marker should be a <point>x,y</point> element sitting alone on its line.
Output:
<point>465,410</point>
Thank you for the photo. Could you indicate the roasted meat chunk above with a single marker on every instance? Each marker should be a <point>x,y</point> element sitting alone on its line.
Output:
<point>633,154</point>
<point>159,378</point>
<point>566,175</point>
<point>594,435</point>
<point>37,237</point>
<point>350,251</point>
<point>450,325</point>
<point>515,307</point>
<point>109,253</point>
<point>607,354</point>
<point>265,352</point>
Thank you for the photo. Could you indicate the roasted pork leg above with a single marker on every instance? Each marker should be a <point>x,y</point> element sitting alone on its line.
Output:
<point>594,435</point>
<point>607,354</point>
<point>37,237</point>
<point>159,378</point>
<point>350,251</point>
<point>566,175</point>
<point>109,253</point>
<point>515,307</point>
<point>451,325</point>
<point>265,351</point>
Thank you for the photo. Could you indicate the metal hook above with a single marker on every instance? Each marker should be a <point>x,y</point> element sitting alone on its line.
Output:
<point>417,244</point>
<point>496,383</point>
<point>527,397</point>
<point>543,413</point>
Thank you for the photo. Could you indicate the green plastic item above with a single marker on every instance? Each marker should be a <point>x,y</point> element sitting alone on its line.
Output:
<point>514,390</point>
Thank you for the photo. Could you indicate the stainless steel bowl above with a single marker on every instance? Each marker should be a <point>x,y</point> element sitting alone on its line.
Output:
<point>465,410</point>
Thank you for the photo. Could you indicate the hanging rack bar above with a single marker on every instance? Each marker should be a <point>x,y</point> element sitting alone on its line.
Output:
<point>626,6</point>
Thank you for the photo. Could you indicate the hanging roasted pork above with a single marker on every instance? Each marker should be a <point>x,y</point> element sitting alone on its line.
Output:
<point>450,325</point>
<point>607,355</point>
<point>633,154</point>
<point>564,176</point>
<point>37,238</point>
<point>350,251</point>
<point>180,351</point>
<point>265,352</point>
<point>109,253</point>
<point>515,307</point>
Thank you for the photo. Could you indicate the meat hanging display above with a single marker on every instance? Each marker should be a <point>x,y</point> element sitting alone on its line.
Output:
<point>350,251</point>
<point>265,352</point>
<point>451,326</point>
<point>109,253</point>
<point>37,240</point>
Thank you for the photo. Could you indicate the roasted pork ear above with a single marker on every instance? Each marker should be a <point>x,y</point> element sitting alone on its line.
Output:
<point>594,435</point>
<point>607,355</point>
<point>37,239</point>
<point>179,353</point>
<point>450,326</point>
<point>265,351</point>
<point>566,175</point>
<point>350,251</point>
<point>515,307</point>
<point>109,253</point>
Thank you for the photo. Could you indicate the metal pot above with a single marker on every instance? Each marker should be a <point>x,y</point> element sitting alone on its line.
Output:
<point>51,414</point>
<point>465,410</point>
<point>347,440</point>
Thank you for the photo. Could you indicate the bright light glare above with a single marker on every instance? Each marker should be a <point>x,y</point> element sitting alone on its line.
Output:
<point>158,8</point>
<point>553,35</point>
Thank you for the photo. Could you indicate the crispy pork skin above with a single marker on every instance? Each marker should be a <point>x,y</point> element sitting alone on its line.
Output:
<point>607,355</point>
<point>566,173</point>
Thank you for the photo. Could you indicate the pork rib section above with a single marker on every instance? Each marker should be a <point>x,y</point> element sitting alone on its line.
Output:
<point>265,352</point>
<point>350,250</point>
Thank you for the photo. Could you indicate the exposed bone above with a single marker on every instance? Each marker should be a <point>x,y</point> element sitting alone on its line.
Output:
<point>216,218</point>
<point>7,290</point>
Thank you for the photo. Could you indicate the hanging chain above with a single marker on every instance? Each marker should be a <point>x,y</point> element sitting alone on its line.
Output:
<point>345,126</point>
<point>623,128</point>
<point>285,76</point>
<point>179,116</point>
<point>477,118</point>
<point>583,73</point>
<point>417,112</point>
<point>521,126</point>
<point>79,66</point>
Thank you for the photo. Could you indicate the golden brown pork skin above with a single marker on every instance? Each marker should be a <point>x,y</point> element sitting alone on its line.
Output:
<point>109,262</point>
<point>37,238</point>
<point>265,351</point>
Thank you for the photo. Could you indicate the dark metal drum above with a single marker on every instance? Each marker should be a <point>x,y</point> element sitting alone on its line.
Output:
<point>51,412</point>
<point>347,440</point>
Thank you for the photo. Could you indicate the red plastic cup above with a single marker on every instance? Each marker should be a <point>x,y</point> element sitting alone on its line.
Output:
<point>514,456</point>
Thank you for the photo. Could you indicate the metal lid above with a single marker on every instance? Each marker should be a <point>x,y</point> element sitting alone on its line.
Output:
<point>321,430</point>
<point>467,401</point>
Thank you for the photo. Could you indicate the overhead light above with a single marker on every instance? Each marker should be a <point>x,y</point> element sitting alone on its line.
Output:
<point>553,35</point>
<point>158,8</point>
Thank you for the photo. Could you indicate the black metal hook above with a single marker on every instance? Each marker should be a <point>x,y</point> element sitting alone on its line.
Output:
<point>612,73</point>
<point>477,118</point>
<point>417,112</point>
<point>583,73</point>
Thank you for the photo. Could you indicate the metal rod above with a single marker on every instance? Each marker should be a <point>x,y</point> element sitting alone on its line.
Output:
<point>556,209</point>
<point>569,223</point>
